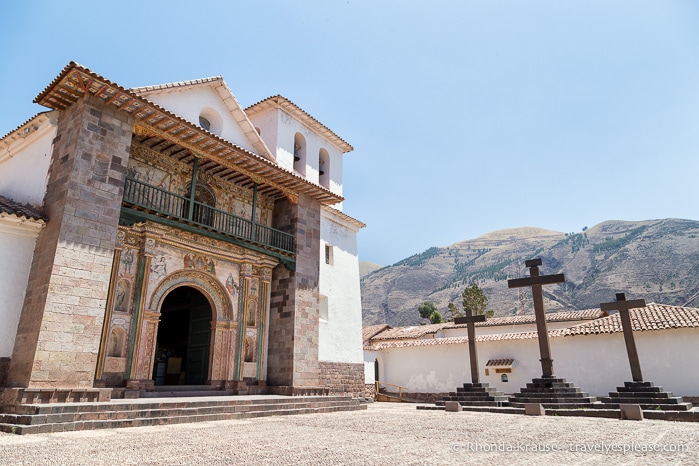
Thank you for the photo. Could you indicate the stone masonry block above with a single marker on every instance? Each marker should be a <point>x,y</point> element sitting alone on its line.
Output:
<point>631,412</point>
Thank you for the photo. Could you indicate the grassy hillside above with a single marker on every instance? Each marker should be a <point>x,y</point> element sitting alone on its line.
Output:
<point>657,260</point>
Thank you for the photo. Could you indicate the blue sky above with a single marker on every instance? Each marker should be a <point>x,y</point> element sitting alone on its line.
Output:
<point>466,116</point>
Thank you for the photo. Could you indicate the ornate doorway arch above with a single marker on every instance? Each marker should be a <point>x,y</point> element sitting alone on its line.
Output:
<point>183,338</point>
<point>223,328</point>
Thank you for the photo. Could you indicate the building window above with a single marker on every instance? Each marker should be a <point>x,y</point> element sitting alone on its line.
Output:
<point>210,120</point>
<point>328,254</point>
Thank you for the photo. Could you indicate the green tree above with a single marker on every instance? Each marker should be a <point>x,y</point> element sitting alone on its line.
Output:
<point>426,309</point>
<point>429,311</point>
<point>472,299</point>
<point>436,317</point>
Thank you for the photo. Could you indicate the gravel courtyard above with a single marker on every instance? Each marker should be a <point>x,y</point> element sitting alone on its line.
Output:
<point>384,434</point>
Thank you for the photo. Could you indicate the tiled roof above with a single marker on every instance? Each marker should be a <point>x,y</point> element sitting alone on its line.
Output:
<point>372,330</point>
<point>76,81</point>
<point>192,82</point>
<point>563,316</point>
<point>499,362</point>
<point>279,101</point>
<point>652,317</point>
<point>10,207</point>
<point>402,333</point>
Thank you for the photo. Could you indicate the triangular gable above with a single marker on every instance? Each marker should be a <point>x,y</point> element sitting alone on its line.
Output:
<point>187,98</point>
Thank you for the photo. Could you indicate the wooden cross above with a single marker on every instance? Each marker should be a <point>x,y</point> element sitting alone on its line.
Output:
<point>470,321</point>
<point>536,281</point>
<point>623,306</point>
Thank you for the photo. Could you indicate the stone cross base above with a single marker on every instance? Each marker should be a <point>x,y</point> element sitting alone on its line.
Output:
<point>647,396</point>
<point>475,394</point>
<point>552,392</point>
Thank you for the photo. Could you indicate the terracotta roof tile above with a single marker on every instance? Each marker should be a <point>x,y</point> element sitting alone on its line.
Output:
<point>372,330</point>
<point>563,316</point>
<point>499,362</point>
<point>652,317</point>
<point>10,207</point>
<point>403,333</point>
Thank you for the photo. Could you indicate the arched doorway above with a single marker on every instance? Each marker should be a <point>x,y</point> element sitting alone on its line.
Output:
<point>184,337</point>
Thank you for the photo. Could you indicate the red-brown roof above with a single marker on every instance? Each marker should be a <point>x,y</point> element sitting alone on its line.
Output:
<point>8,206</point>
<point>652,317</point>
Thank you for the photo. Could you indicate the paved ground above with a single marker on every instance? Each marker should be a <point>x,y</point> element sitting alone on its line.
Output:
<point>384,434</point>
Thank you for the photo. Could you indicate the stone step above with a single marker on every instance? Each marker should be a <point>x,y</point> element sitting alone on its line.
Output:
<point>63,417</point>
<point>471,399</point>
<point>561,404</point>
<point>684,406</point>
<point>640,390</point>
<point>552,394</point>
<point>659,395</point>
<point>636,400</point>
<point>550,390</point>
<point>476,390</point>
<point>640,384</point>
<point>476,403</point>
<point>552,400</point>
<point>192,393</point>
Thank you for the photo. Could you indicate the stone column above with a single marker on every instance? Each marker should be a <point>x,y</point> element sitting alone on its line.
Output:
<point>58,335</point>
<point>294,300</point>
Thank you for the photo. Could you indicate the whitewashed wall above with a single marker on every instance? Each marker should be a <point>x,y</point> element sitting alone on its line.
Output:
<point>285,128</point>
<point>340,335</point>
<point>191,102</point>
<point>17,242</point>
<point>24,167</point>
<point>595,363</point>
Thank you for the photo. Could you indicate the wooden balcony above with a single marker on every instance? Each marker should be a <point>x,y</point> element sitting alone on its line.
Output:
<point>147,202</point>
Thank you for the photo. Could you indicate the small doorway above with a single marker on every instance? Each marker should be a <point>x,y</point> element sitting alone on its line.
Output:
<point>184,337</point>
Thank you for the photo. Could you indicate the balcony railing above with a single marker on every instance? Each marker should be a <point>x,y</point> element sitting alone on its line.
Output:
<point>164,203</point>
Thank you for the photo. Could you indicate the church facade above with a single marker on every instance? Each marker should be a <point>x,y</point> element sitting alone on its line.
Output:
<point>176,239</point>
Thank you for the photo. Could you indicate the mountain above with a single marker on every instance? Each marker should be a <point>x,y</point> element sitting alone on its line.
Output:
<point>657,260</point>
<point>365,268</point>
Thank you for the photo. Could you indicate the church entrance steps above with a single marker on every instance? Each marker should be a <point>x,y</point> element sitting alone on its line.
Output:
<point>62,417</point>
<point>647,395</point>
<point>167,391</point>
<point>553,393</point>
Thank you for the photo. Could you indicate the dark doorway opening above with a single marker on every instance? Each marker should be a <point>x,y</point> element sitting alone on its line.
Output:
<point>184,336</point>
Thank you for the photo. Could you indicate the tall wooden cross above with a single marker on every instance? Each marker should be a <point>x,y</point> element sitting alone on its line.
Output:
<point>470,321</point>
<point>623,306</point>
<point>536,281</point>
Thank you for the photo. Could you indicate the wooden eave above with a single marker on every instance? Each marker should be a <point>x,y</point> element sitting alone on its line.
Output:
<point>76,82</point>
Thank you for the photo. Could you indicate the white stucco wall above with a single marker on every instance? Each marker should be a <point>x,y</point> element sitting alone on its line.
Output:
<point>278,129</point>
<point>191,101</point>
<point>24,166</point>
<point>268,124</point>
<point>340,335</point>
<point>17,242</point>
<point>370,358</point>
<point>595,363</point>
